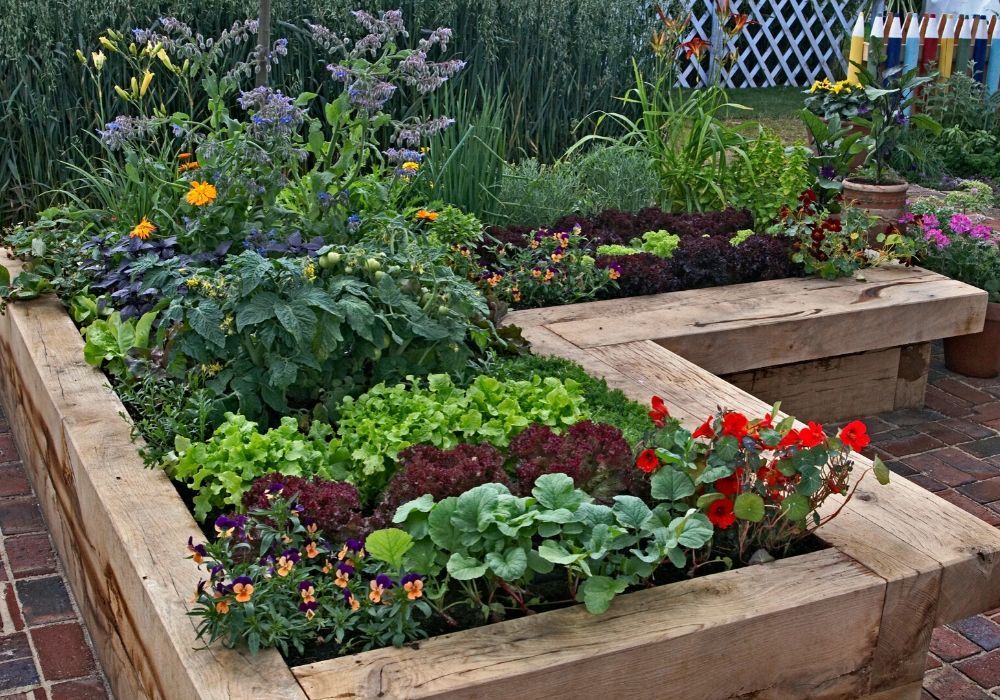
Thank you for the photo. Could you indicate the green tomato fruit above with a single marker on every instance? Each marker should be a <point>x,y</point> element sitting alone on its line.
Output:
<point>379,275</point>
<point>443,310</point>
<point>348,270</point>
<point>324,262</point>
<point>373,265</point>
<point>333,257</point>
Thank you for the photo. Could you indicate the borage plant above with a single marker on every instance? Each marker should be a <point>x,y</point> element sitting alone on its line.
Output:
<point>761,483</point>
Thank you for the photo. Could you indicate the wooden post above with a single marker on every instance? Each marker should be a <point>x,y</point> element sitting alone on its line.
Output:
<point>263,41</point>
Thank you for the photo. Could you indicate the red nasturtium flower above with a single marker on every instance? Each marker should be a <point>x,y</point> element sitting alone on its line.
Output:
<point>720,513</point>
<point>812,435</point>
<point>735,424</point>
<point>855,435</point>
<point>791,439</point>
<point>659,414</point>
<point>729,485</point>
<point>704,430</point>
<point>648,461</point>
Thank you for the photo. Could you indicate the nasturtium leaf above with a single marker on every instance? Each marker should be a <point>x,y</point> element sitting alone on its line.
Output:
<point>749,506</point>
<point>714,473</point>
<point>631,511</point>
<point>464,568</point>
<point>795,507</point>
<point>510,565</point>
<point>389,545</point>
<point>726,448</point>
<point>881,471</point>
<point>669,484</point>
<point>598,592</point>
<point>424,504</point>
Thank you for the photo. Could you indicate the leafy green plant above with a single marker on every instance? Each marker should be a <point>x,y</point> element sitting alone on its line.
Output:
<point>769,178</point>
<point>111,341</point>
<point>378,425</point>
<point>292,333</point>
<point>221,470</point>
<point>604,404</point>
<point>489,541</point>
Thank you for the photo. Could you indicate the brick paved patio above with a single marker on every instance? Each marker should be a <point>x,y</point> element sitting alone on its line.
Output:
<point>951,447</point>
<point>45,651</point>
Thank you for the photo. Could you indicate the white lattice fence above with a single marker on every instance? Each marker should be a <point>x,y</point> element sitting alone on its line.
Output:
<point>795,42</point>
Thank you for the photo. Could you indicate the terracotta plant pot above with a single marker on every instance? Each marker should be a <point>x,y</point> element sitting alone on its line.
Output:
<point>886,202</point>
<point>978,354</point>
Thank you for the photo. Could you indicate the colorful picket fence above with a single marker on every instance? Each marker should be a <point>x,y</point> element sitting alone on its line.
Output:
<point>948,44</point>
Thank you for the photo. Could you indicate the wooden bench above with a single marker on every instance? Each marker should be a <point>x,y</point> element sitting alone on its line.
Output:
<point>829,350</point>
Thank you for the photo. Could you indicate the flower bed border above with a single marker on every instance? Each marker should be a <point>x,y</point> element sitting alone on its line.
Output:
<point>851,620</point>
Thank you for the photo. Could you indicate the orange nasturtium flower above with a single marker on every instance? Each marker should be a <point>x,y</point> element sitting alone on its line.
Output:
<point>201,193</point>
<point>143,230</point>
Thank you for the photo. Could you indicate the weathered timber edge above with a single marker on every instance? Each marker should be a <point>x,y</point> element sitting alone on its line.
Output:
<point>120,529</point>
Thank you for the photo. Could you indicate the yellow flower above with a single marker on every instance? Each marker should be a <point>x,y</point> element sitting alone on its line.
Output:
<point>410,167</point>
<point>147,78</point>
<point>142,230</point>
<point>108,44</point>
<point>183,167</point>
<point>201,193</point>
<point>98,58</point>
<point>121,92</point>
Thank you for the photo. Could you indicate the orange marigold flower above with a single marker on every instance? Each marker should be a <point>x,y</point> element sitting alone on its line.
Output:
<point>201,193</point>
<point>427,215</point>
<point>184,167</point>
<point>143,230</point>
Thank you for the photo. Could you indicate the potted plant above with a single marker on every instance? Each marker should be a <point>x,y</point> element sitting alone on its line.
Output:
<point>836,104</point>
<point>957,247</point>
<point>878,188</point>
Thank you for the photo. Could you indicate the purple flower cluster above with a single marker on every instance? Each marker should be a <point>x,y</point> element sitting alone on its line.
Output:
<point>272,113</point>
<point>413,133</point>
<point>125,131</point>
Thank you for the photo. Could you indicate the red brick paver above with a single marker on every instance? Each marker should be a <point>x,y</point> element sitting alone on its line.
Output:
<point>45,652</point>
<point>952,447</point>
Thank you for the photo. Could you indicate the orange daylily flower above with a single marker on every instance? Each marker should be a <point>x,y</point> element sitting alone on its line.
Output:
<point>695,47</point>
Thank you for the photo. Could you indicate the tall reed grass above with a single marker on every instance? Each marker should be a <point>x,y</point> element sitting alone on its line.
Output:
<point>554,62</point>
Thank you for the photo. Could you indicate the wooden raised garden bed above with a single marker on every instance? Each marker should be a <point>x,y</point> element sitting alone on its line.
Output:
<point>851,620</point>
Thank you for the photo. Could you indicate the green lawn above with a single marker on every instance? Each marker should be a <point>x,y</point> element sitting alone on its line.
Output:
<point>776,108</point>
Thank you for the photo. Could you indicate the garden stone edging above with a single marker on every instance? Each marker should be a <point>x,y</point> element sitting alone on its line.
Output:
<point>847,621</point>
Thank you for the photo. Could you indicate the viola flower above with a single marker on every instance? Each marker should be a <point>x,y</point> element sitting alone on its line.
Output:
<point>225,526</point>
<point>730,485</point>
<point>720,513</point>
<point>425,215</point>
<point>308,591</point>
<point>704,430</point>
<point>287,561</point>
<point>350,599</point>
<point>344,572</point>
<point>198,552</point>
<point>142,230</point>
<point>413,584</point>
<point>659,414</point>
<point>735,424</point>
<point>648,461</point>
<point>309,608</point>
<point>273,490</point>
<point>812,435</point>
<point>855,435</point>
<point>201,194</point>
<point>243,588</point>
<point>222,607</point>
<point>327,567</point>
<point>379,585</point>
<point>695,47</point>
<point>311,550</point>
<point>614,271</point>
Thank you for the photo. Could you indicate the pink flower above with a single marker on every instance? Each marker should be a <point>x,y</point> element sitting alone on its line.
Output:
<point>960,223</point>
<point>981,232</point>
<point>935,236</point>
<point>907,218</point>
<point>930,220</point>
